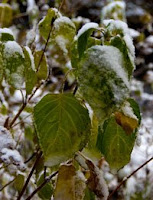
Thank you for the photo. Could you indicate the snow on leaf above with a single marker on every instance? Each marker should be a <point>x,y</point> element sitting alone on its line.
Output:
<point>65,187</point>
<point>63,127</point>
<point>6,35</point>
<point>96,182</point>
<point>83,35</point>
<point>102,79</point>
<point>63,33</point>
<point>13,63</point>
<point>119,43</point>
<point>114,10</point>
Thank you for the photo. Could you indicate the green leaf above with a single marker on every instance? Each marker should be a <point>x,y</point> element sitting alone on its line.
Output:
<point>19,182</point>
<point>89,195</point>
<point>91,151</point>
<point>115,144</point>
<point>119,43</point>
<point>41,65</point>
<point>74,54</point>
<point>135,108</point>
<point>83,36</point>
<point>46,23</point>
<point>65,187</point>
<point>30,74</point>
<point>63,33</point>
<point>63,127</point>
<point>6,15</point>
<point>102,79</point>
<point>6,35</point>
<point>47,191</point>
<point>13,63</point>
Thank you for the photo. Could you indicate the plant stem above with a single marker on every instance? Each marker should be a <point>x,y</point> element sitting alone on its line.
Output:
<point>126,178</point>
<point>7,184</point>
<point>42,185</point>
<point>29,176</point>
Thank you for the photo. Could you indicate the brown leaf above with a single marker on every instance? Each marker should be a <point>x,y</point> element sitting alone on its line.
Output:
<point>96,182</point>
<point>128,124</point>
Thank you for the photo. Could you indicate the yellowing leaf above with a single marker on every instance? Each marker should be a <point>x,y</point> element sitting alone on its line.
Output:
<point>5,15</point>
<point>128,124</point>
<point>63,127</point>
<point>65,187</point>
<point>46,23</point>
<point>41,65</point>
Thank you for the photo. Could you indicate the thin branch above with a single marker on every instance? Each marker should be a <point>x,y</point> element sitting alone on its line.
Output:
<point>29,176</point>
<point>7,184</point>
<point>30,158</point>
<point>42,185</point>
<point>125,179</point>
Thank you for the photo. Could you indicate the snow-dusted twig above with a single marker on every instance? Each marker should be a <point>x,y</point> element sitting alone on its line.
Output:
<point>29,176</point>
<point>42,185</point>
<point>126,178</point>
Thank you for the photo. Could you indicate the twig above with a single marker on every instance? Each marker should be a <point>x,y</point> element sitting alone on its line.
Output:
<point>29,176</point>
<point>7,184</point>
<point>125,179</point>
<point>30,158</point>
<point>42,185</point>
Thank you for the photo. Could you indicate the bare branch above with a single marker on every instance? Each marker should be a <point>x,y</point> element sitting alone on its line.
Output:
<point>125,179</point>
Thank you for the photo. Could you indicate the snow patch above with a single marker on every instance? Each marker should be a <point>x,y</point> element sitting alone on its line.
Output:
<point>128,111</point>
<point>31,58</point>
<point>87,27</point>
<point>11,48</point>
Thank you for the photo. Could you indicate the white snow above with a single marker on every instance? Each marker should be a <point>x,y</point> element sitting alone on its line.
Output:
<point>115,5</point>
<point>63,20</point>
<point>149,76</point>
<point>10,156</point>
<point>134,33</point>
<point>150,39</point>
<point>120,25</point>
<point>31,58</point>
<point>30,37</point>
<point>6,140</point>
<point>5,5</point>
<point>116,24</point>
<point>11,48</point>
<point>128,111</point>
<point>129,44</point>
<point>86,27</point>
<point>6,30</point>
<point>62,42</point>
<point>112,57</point>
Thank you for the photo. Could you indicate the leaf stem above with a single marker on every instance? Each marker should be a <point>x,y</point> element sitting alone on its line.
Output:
<point>42,185</point>
<point>126,178</point>
<point>29,176</point>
